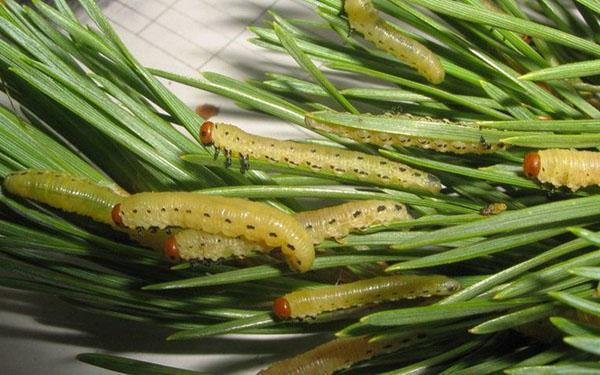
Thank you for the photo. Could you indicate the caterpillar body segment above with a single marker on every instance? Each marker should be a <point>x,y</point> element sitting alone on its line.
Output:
<point>311,302</point>
<point>562,167</point>
<point>66,192</point>
<point>231,217</point>
<point>389,139</point>
<point>363,17</point>
<point>367,168</point>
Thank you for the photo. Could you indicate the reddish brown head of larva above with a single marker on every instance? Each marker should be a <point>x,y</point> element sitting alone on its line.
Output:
<point>116,215</point>
<point>281,308</point>
<point>170,249</point>
<point>531,164</point>
<point>206,132</point>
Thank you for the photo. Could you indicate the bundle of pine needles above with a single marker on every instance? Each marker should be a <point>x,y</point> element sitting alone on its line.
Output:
<point>525,73</point>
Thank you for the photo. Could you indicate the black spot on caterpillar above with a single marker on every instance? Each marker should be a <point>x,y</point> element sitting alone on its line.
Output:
<point>363,17</point>
<point>311,302</point>
<point>560,167</point>
<point>338,354</point>
<point>390,139</point>
<point>493,209</point>
<point>209,213</point>
<point>369,168</point>
<point>330,222</point>
<point>66,192</point>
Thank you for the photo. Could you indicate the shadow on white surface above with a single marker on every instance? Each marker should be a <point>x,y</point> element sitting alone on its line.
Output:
<point>41,334</point>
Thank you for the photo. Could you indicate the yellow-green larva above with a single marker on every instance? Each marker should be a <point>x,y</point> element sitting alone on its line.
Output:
<point>337,354</point>
<point>561,167</point>
<point>338,221</point>
<point>231,217</point>
<point>368,168</point>
<point>66,192</point>
<point>389,139</point>
<point>190,244</point>
<point>311,302</point>
<point>330,222</point>
<point>363,17</point>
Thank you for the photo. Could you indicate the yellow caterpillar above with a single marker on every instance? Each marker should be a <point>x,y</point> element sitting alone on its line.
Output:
<point>559,167</point>
<point>330,222</point>
<point>335,355</point>
<point>368,168</point>
<point>406,140</point>
<point>311,302</point>
<point>364,17</point>
<point>231,217</point>
<point>66,192</point>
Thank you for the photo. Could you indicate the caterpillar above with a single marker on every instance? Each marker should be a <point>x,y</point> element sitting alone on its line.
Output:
<point>338,354</point>
<point>493,209</point>
<point>66,192</point>
<point>384,139</point>
<point>311,302</point>
<point>330,222</point>
<point>338,221</point>
<point>561,167</point>
<point>191,244</point>
<point>363,17</point>
<point>344,163</point>
<point>231,217</point>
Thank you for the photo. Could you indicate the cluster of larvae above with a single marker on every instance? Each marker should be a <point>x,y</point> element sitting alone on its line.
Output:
<point>192,226</point>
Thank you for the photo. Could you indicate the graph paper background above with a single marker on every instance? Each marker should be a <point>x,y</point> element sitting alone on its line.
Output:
<point>40,334</point>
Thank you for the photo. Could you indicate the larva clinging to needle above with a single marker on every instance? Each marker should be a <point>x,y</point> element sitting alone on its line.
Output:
<point>560,167</point>
<point>406,140</point>
<point>338,354</point>
<point>363,17</point>
<point>330,222</point>
<point>190,244</point>
<point>66,192</point>
<point>231,217</point>
<point>338,221</point>
<point>312,302</point>
<point>339,162</point>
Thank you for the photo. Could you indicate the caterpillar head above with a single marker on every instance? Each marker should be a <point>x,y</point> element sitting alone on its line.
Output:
<point>206,133</point>
<point>281,308</point>
<point>116,215</point>
<point>170,249</point>
<point>531,164</point>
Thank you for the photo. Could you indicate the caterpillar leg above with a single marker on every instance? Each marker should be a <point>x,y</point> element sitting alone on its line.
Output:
<point>217,152</point>
<point>244,163</point>
<point>228,161</point>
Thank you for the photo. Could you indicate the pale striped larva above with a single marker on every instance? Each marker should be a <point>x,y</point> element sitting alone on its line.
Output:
<point>338,221</point>
<point>190,244</point>
<point>337,354</point>
<point>312,302</point>
<point>561,167</point>
<point>343,163</point>
<point>231,217</point>
<point>330,222</point>
<point>384,139</point>
<point>66,192</point>
<point>363,17</point>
